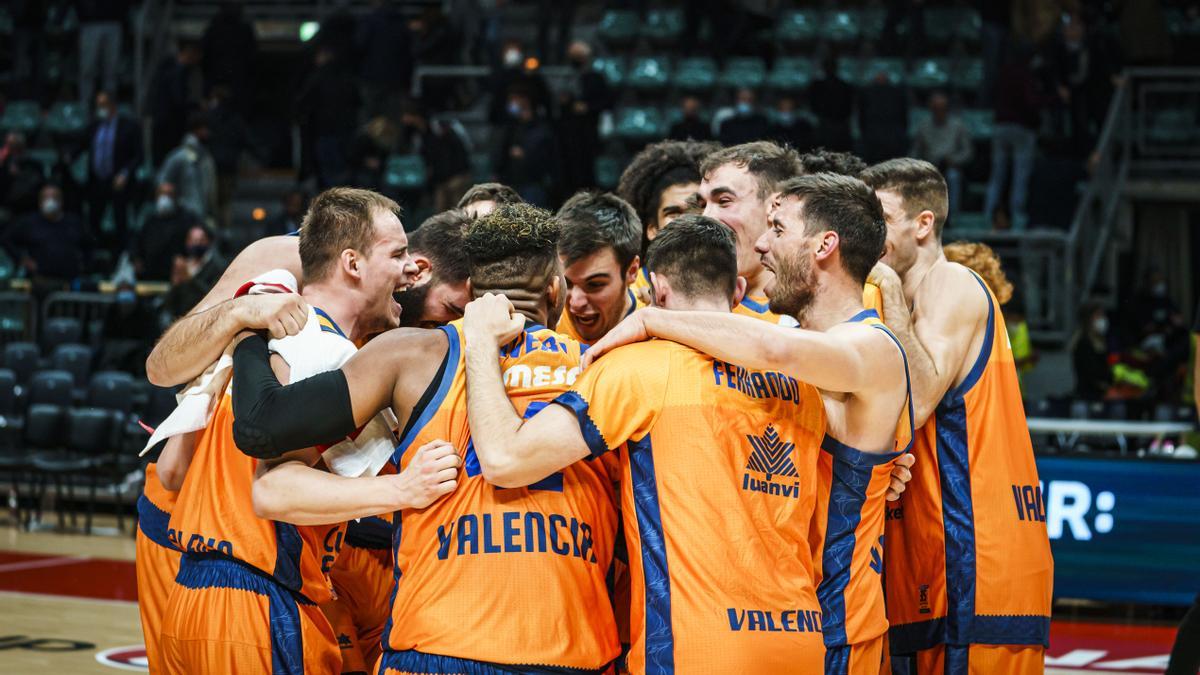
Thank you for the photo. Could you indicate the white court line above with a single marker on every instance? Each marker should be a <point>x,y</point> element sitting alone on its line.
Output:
<point>50,562</point>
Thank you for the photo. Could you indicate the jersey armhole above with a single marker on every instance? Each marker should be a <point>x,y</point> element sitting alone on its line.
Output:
<point>431,397</point>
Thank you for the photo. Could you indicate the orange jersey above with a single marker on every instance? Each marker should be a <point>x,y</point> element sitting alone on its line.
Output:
<point>760,309</point>
<point>362,583</point>
<point>157,560</point>
<point>718,492</point>
<point>567,327</point>
<point>873,299</point>
<point>641,284</point>
<point>503,576</point>
<point>849,524</point>
<point>968,556</point>
<point>214,516</point>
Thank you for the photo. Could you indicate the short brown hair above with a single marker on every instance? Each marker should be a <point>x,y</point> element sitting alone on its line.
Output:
<point>697,254</point>
<point>590,221</point>
<point>769,163</point>
<point>490,192</point>
<point>918,183</point>
<point>847,206</point>
<point>339,218</point>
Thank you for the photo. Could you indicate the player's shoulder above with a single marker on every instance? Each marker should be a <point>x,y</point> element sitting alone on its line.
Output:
<point>954,288</point>
<point>410,343</point>
<point>642,357</point>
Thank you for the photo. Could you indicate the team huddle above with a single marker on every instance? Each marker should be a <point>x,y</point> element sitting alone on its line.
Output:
<point>742,416</point>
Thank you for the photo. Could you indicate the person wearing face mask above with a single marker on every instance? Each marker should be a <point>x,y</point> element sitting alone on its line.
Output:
<point>114,153</point>
<point>691,126</point>
<point>513,72</point>
<point>162,236</point>
<point>526,158</point>
<point>50,245</point>
<point>587,96</point>
<point>1089,354</point>
<point>747,123</point>
<point>191,169</point>
<point>193,272</point>
<point>789,128</point>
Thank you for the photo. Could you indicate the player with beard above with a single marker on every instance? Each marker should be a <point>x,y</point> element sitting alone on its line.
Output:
<point>826,234</point>
<point>441,289</point>
<point>599,246</point>
<point>970,573</point>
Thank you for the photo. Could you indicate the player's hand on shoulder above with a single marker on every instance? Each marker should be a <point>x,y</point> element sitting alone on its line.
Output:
<point>891,290</point>
<point>281,314</point>
<point>432,473</point>
<point>491,319</point>
<point>900,476</point>
<point>631,329</point>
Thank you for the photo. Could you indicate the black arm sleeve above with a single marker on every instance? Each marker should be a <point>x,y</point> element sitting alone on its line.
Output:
<point>271,419</point>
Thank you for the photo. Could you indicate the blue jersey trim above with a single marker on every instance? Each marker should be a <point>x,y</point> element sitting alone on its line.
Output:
<point>572,401</point>
<point>660,638</point>
<point>333,327</point>
<point>985,351</point>
<point>154,522</point>
<point>632,301</point>
<point>431,408</point>
<point>913,637</point>
<point>837,660</point>
<point>912,415</point>
<point>869,313</point>
<point>958,517</point>
<point>413,661</point>
<point>386,637</point>
<point>847,494</point>
<point>288,547</point>
<point>1011,630</point>
<point>855,458</point>
<point>757,307</point>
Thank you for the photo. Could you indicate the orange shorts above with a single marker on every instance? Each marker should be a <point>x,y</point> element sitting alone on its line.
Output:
<point>225,618</point>
<point>362,580</point>
<point>973,660</point>
<point>156,565</point>
<point>861,658</point>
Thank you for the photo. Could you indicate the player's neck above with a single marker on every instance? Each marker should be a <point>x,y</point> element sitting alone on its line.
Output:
<point>338,303</point>
<point>836,300</point>
<point>928,257</point>
<point>756,282</point>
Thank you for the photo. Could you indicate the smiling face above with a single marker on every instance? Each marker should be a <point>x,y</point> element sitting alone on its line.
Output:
<point>672,203</point>
<point>386,268</point>
<point>731,196</point>
<point>787,251</point>
<point>596,293</point>
<point>901,250</point>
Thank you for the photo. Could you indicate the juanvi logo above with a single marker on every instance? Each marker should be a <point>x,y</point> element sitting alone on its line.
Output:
<point>772,457</point>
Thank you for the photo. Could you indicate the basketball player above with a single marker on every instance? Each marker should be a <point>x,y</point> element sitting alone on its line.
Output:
<point>483,198</point>
<point>827,231</point>
<point>598,245</point>
<point>247,593</point>
<point>719,513</point>
<point>969,569</point>
<point>156,560</point>
<point>493,579</point>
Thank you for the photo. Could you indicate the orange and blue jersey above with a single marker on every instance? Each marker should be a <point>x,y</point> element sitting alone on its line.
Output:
<point>718,491</point>
<point>849,527</point>
<point>157,560</point>
<point>873,299</point>
<point>968,557</point>
<point>488,575</point>
<point>362,584</point>
<point>641,284</point>
<point>759,308</point>
<point>567,327</point>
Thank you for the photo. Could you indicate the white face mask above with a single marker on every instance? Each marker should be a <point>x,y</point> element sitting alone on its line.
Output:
<point>512,57</point>
<point>164,204</point>
<point>1100,325</point>
<point>51,207</point>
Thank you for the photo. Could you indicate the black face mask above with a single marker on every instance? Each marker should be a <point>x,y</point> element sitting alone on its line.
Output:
<point>196,251</point>
<point>412,301</point>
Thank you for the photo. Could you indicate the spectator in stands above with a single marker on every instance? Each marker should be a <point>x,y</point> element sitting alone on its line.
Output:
<point>175,91</point>
<point>377,139</point>
<point>526,152</point>
<point>690,126</point>
<point>99,43</point>
<point>746,124</point>
<point>128,332</point>
<point>386,66</point>
<point>51,245</point>
<point>790,128</point>
<point>445,154</point>
<point>20,177</point>
<point>1017,106</point>
<point>1089,354</point>
<point>483,198</point>
<point>513,74</point>
<point>290,217</point>
<point>832,101</point>
<point>114,154</point>
<point>228,137</point>
<point>194,273</point>
<point>942,140</point>
<point>1086,64</point>
<point>190,168</point>
<point>230,56</point>
<point>579,123</point>
<point>162,237</point>
<point>995,16</point>
<point>328,105</point>
<point>883,119</point>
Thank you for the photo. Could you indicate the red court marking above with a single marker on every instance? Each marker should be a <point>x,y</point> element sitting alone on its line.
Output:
<point>1109,647</point>
<point>74,576</point>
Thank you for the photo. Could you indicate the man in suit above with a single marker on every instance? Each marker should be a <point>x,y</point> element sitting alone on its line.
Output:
<point>114,152</point>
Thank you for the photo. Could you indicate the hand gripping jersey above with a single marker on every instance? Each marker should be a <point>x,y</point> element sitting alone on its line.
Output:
<point>718,492</point>
<point>759,308</point>
<point>849,528</point>
<point>968,558</point>
<point>488,575</point>
<point>567,327</point>
<point>157,560</point>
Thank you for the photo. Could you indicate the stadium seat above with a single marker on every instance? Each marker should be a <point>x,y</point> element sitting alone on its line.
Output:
<point>639,124</point>
<point>45,157</point>
<point>967,74</point>
<point>44,434</point>
<point>612,68</point>
<point>928,74</point>
<point>13,459</point>
<point>797,27</point>
<point>968,222</point>
<point>618,27</point>
<point>850,69</point>
<point>790,74</point>
<point>893,68</point>
<point>608,171</point>
<point>945,24</point>
<point>695,74</point>
<point>22,359</point>
<point>111,389</point>
<point>979,123</point>
<point>52,387</point>
<point>61,330</point>
<point>744,72</point>
<point>22,116</point>
<point>92,440</point>
<point>648,73</point>
<point>663,26</point>
<point>841,26</point>
<point>74,359</point>
<point>871,21</point>
<point>67,118</point>
<point>405,172</point>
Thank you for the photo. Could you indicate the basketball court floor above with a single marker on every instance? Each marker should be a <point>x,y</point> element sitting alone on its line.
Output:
<point>68,604</point>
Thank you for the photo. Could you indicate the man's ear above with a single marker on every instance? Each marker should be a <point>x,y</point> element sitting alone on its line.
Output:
<point>926,224</point>
<point>350,262</point>
<point>660,289</point>
<point>739,291</point>
<point>829,244</point>
<point>554,289</point>
<point>424,269</point>
<point>631,272</point>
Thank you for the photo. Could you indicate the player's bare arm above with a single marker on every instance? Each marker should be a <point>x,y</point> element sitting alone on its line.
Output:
<point>174,460</point>
<point>512,452</point>
<point>941,333</point>
<point>264,255</point>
